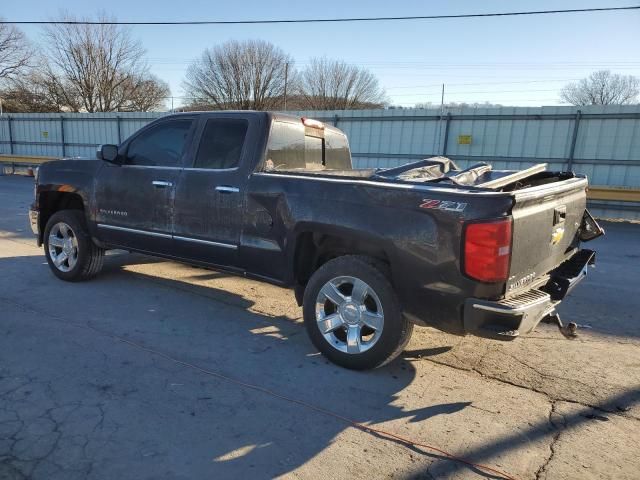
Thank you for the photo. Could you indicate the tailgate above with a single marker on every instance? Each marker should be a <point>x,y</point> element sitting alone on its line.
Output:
<point>546,219</point>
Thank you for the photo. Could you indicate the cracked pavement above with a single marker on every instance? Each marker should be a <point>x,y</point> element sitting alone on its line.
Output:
<point>97,379</point>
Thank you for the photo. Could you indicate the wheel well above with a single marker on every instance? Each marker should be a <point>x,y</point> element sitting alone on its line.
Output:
<point>315,249</point>
<point>52,202</point>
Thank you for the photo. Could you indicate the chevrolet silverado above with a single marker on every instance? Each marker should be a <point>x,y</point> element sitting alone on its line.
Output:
<point>367,252</point>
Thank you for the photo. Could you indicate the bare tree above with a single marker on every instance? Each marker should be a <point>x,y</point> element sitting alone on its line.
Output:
<point>239,75</point>
<point>14,51</point>
<point>144,94</point>
<point>333,84</point>
<point>602,88</point>
<point>99,68</point>
<point>34,92</point>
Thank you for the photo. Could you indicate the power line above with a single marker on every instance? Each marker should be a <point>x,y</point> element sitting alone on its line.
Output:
<point>555,80</point>
<point>182,60</point>
<point>469,92</point>
<point>503,101</point>
<point>317,20</point>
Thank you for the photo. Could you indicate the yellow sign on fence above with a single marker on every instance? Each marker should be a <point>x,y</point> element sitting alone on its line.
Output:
<point>464,139</point>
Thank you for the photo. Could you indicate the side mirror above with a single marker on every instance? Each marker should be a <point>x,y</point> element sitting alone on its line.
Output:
<point>108,153</point>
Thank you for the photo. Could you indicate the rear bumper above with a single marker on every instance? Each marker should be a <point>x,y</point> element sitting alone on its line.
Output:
<point>507,319</point>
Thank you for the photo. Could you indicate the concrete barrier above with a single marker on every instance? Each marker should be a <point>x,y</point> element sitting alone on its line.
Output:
<point>27,162</point>
<point>614,194</point>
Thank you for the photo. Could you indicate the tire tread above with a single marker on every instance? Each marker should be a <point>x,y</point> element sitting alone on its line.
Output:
<point>94,259</point>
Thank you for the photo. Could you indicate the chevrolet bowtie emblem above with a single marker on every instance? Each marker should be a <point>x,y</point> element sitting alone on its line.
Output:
<point>557,235</point>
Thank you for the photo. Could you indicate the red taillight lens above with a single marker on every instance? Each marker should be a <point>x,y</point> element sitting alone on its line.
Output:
<point>487,250</point>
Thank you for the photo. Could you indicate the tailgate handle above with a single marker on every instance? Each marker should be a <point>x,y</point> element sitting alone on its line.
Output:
<point>559,214</point>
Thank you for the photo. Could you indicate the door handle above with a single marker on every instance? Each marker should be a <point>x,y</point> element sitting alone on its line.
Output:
<point>161,184</point>
<point>227,189</point>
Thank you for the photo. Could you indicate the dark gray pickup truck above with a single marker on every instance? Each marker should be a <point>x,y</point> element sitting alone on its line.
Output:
<point>368,253</point>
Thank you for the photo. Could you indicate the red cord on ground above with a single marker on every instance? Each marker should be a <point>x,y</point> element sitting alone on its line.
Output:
<point>258,388</point>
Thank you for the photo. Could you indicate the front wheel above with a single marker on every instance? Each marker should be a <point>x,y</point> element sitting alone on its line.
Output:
<point>70,252</point>
<point>352,314</point>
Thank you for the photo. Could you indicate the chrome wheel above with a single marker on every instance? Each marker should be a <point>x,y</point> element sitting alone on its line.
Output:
<point>63,247</point>
<point>349,314</point>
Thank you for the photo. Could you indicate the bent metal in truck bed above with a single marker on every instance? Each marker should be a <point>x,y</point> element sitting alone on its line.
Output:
<point>368,252</point>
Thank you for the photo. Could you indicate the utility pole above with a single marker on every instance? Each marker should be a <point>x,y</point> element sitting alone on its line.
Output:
<point>441,116</point>
<point>286,78</point>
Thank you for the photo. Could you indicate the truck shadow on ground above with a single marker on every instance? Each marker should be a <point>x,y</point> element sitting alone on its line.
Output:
<point>232,431</point>
<point>254,436</point>
<point>443,466</point>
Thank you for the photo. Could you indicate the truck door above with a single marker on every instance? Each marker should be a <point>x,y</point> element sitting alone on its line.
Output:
<point>211,192</point>
<point>134,201</point>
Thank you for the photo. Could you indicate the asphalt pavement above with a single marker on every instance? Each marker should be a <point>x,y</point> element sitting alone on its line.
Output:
<point>158,370</point>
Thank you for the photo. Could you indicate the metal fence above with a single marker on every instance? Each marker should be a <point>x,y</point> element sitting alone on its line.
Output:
<point>67,134</point>
<point>600,141</point>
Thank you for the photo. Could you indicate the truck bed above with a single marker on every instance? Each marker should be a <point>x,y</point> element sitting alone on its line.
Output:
<point>547,207</point>
<point>444,172</point>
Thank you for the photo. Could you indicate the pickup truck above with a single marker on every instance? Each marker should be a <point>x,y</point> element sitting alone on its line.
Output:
<point>367,252</point>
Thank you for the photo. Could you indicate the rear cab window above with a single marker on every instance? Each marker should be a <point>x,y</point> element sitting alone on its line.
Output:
<point>221,143</point>
<point>295,146</point>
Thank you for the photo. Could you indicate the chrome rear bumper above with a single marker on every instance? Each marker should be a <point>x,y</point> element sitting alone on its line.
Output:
<point>508,318</point>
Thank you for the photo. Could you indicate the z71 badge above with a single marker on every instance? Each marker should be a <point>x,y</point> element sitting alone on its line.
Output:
<point>443,205</point>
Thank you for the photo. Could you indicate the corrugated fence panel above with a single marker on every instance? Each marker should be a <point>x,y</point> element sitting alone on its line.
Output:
<point>607,145</point>
<point>607,148</point>
<point>41,129</point>
<point>42,133</point>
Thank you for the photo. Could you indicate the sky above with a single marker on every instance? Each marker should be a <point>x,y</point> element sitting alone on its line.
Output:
<point>506,60</point>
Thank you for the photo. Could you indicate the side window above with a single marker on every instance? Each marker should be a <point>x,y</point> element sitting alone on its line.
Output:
<point>221,143</point>
<point>294,146</point>
<point>160,146</point>
<point>313,152</point>
<point>286,147</point>
<point>337,152</point>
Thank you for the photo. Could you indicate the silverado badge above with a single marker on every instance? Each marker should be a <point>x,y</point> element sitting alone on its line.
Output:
<point>117,213</point>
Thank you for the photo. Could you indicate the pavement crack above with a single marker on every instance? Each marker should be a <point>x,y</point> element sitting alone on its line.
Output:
<point>550,397</point>
<point>543,374</point>
<point>541,473</point>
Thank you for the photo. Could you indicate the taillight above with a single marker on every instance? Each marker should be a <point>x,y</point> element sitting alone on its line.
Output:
<point>487,250</point>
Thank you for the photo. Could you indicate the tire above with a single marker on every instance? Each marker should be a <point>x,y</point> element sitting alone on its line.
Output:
<point>84,259</point>
<point>352,314</point>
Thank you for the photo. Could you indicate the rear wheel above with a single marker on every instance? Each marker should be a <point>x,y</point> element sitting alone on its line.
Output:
<point>352,314</point>
<point>70,252</point>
